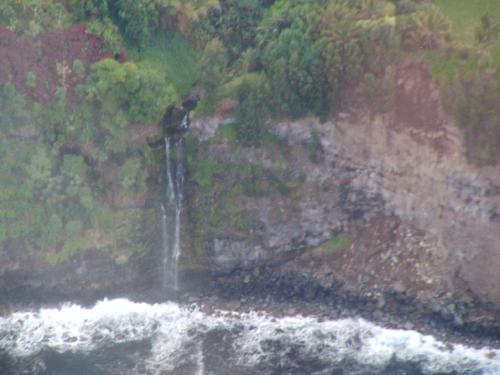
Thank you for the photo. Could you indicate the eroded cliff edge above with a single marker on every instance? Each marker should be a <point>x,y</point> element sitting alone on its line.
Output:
<point>376,203</point>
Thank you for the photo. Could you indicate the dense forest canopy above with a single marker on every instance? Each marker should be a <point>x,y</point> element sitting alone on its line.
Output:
<point>72,96</point>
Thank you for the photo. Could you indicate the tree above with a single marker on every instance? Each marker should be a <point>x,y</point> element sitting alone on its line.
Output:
<point>32,17</point>
<point>85,9</point>
<point>251,114</point>
<point>181,14</point>
<point>139,19</point>
<point>211,69</point>
<point>140,92</point>
<point>292,65</point>
<point>235,24</point>
<point>425,29</point>
<point>13,111</point>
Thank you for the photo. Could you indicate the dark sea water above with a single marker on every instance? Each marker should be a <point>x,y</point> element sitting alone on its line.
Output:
<point>123,337</point>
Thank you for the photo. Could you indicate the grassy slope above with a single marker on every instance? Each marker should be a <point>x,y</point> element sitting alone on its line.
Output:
<point>174,55</point>
<point>465,16</point>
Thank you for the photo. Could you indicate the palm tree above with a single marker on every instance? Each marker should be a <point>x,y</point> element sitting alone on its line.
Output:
<point>428,29</point>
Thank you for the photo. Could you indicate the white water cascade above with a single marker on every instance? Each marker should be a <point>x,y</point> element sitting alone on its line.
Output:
<point>171,209</point>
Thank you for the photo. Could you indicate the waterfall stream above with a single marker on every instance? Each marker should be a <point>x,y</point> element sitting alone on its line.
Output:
<point>171,209</point>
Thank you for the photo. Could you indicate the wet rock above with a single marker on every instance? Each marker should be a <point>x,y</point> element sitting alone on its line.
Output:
<point>190,102</point>
<point>409,325</point>
<point>256,272</point>
<point>380,302</point>
<point>495,218</point>
<point>446,314</point>
<point>398,287</point>
<point>173,120</point>
<point>458,321</point>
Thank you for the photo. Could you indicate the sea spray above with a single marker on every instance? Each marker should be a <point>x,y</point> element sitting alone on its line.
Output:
<point>256,342</point>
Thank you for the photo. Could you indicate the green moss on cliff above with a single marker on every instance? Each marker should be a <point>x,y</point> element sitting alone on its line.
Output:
<point>329,249</point>
<point>223,190</point>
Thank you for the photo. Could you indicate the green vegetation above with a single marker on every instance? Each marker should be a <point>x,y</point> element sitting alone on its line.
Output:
<point>78,68</point>
<point>67,170</point>
<point>211,68</point>
<point>132,175</point>
<point>250,115</point>
<point>33,17</point>
<point>204,172</point>
<point>174,56</point>
<point>137,92</point>
<point>70,161</point>
<point>108,32</point>
<point>222,188</point>
<point>31,80</point>
<point>330,248</point>
<point>465,15</point>
<point>474,104</point>
<point>315,148</point>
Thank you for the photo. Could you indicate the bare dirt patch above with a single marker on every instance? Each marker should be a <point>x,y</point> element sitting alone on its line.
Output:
<point>50,58</point>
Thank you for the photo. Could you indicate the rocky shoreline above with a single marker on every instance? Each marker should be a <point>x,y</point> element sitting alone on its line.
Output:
<point>271,291</point>
<point>449,321</point>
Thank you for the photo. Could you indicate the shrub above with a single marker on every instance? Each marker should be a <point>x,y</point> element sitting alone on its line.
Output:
<point>132,175</point>
<point>73,228</point>
<point>52,232</point>
<point>332,247</point>
<point>252,183</point>
<point>473,102</point>
<point>78,68</point>
<point>205,171</point>
<point>315,148</point>
<point>142,93</point>
<point>30,18</point>
<point>139,19</point>
<point>291,61</point>
<point>234,23</point>
<point>251,114</point>
<point>31,80</point>
<point>74,165</point>
<point>427,28</point>
<point>487,31</point>
<point>84,9</point>
<point>211,70</point>
<point>108,32</point>
<point>13,111</point>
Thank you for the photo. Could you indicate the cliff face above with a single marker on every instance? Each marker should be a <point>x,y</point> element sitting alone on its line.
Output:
<point>386,201</point>
<point>373,201</point>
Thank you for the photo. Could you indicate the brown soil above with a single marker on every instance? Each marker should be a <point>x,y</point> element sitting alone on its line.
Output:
<point>382,252</point>
<point>50,57</point>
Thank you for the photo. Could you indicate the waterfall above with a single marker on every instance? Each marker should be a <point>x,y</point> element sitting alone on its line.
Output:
<point>171,210</point>
<point>168,167</point>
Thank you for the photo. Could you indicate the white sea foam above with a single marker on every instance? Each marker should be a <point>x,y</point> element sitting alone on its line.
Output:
<point>175,331</point>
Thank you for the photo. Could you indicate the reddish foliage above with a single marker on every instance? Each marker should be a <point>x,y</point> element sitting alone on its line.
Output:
<point>40,55</point>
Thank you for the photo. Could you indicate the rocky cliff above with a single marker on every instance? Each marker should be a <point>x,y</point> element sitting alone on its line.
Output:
<point>377,203</point>
<point>374,201</point>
